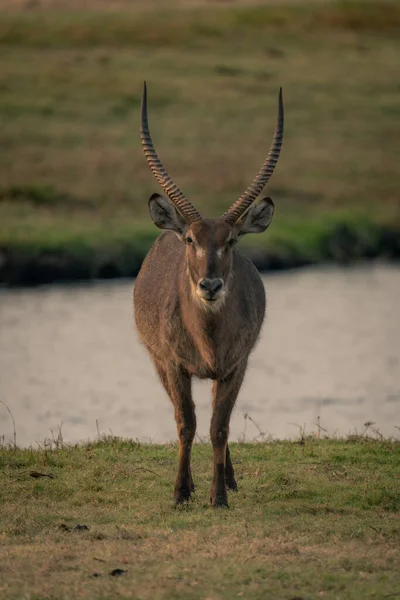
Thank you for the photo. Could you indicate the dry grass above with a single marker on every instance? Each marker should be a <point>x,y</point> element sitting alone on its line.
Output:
<point>318,519</point>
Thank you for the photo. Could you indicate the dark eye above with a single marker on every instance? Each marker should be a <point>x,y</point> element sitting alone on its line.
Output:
<point>189,240</point>
<point>231,242</point>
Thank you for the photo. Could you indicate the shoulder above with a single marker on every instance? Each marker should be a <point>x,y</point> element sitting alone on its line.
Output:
<point>245,268</point>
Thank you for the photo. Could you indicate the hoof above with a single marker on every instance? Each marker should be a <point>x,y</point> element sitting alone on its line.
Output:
<point>181,498</point>
<point>219,502</point>
<point>231,484</point>
<point>182,494</point>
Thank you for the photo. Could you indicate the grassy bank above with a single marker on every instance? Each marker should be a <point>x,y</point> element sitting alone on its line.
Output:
<point>74,183</point>
<point>313,520</point>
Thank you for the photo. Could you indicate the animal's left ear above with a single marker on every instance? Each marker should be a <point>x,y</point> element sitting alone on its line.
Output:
<point>257,219</point>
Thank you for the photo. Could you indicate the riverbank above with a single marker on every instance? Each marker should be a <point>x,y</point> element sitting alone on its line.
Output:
<point>73,180</point>
<point>36,262</point>
<point>318,519</point>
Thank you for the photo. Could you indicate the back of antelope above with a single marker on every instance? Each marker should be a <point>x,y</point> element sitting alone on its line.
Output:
<point>200,305</point>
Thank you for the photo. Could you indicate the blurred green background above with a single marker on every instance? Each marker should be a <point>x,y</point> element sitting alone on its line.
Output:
<point>74,183</point>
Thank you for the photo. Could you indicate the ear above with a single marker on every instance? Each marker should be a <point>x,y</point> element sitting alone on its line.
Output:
<point>257,219</point>
<point>165,215</point>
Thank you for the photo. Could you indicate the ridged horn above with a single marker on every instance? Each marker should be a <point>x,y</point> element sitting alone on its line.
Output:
<point>247,198</point>
<point>186,209</point>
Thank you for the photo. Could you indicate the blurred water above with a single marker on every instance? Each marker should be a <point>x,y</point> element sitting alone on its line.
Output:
<point>330,348</point>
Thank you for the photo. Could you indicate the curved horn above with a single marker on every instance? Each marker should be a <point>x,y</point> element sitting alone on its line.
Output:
<point>186,209</point>
<point>242,204</point>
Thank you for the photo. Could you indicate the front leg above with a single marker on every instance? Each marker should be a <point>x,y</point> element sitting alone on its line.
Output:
<point>229,472</point>
<point>225,393</point>
<point>177,383</point>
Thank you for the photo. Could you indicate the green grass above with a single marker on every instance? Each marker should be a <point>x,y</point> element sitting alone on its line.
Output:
<point>313,520</point>
<point>72,173</point>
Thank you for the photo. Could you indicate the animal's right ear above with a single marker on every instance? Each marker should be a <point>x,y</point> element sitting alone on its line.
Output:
<point>165,215</point>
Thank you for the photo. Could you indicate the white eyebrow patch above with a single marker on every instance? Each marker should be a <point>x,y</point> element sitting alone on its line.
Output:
<point>200,252</point>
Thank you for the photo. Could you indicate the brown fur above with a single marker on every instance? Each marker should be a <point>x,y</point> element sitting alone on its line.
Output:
<point>199,305</point>
<point>187,336</point>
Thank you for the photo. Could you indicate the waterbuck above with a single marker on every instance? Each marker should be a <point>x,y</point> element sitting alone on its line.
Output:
<point>199,305</point>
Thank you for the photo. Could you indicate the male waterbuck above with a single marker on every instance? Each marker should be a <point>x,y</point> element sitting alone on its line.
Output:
<point>199,305</point>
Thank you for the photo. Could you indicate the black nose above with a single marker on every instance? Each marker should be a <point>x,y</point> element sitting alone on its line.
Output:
<point>211,286</point>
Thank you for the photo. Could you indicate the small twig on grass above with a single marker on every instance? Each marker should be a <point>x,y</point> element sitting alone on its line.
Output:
<point>98,430</point>
<point>57,440</point>
<point>378,433</point>
<point>261,433</point>
<point>367,425</point>
<point>34,474</point>
<point>118,572</point>
<point>148,470</point>
<point>37,475</point>
<point>13,420</point>
<point>319,427</point>
<point>246,529</point>
<point>302,439</point>
<point>245,426</point>
<point>99,559</point>
<point>375,528</point>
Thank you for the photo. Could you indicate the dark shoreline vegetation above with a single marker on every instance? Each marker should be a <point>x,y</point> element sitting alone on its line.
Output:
<point>344,244</point>
<point>73,180</point>
<point>316,518</point>
<point>30,265</point>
